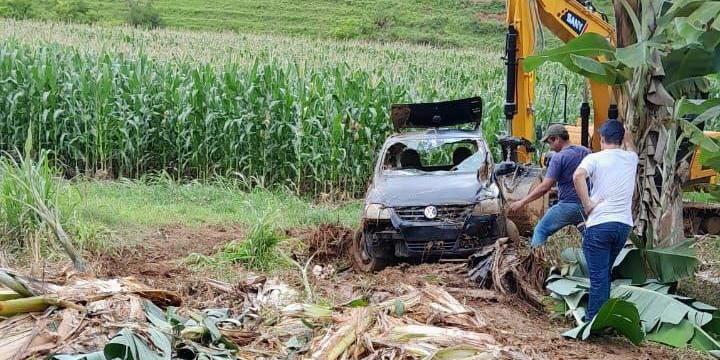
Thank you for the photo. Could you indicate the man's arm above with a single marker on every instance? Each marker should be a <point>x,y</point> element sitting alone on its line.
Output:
<point>581,188</point>
<point>629,141</point>
<point>536,193</point>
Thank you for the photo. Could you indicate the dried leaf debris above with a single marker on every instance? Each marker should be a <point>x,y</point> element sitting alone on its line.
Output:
<point>102,319</point>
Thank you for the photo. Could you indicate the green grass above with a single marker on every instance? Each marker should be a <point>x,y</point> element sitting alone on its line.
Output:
<point>130,207</point>
<point>447,23</point>
<point>457,23</point>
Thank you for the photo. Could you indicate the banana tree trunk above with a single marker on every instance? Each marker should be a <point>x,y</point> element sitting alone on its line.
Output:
<point>657,206</point>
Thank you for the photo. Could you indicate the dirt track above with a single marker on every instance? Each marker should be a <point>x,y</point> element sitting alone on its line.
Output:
<point>159,262</point>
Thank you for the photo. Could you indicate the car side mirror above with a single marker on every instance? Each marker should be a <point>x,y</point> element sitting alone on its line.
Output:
<point>504,168</point>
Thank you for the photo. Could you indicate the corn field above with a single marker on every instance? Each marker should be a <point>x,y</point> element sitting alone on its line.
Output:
<point>306,114</point>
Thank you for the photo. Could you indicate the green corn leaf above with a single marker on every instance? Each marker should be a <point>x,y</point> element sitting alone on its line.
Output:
<point>359,302</point>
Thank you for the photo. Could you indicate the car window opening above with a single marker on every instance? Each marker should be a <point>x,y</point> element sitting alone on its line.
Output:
<point>433,156</point>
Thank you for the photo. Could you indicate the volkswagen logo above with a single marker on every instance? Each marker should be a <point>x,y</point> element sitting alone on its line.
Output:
<point>430,212</point>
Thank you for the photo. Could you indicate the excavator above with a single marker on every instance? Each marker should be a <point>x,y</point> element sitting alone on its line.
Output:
<point>568,19</point>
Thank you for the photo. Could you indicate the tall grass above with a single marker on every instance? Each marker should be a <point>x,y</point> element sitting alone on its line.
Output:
<point>309,115</point>
<point>21,181</point>
<point>28,203</point>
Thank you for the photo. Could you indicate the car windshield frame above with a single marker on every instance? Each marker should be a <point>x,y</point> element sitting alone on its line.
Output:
<point>430,141</point>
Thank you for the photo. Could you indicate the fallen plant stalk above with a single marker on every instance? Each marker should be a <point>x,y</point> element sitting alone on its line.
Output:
<point>34,304</point>
<point>440,336</point>
<point>9,295</point>
<point>334,346</point>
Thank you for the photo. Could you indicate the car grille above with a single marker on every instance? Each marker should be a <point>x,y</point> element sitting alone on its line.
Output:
<point>446,213</point>
<point>430,246</point>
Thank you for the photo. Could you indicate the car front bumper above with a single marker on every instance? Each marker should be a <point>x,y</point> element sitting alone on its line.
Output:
<point>423,239</point>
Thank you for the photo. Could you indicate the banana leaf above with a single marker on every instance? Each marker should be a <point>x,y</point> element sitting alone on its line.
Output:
<point>616,313</point>
<point>673,335</point>
<point>667,264</point>
<point>656,308</point>
<point>703,341</point>
<point>578,55</point>
<point>686,334</point>
<point>629,264</point>
<point>672,263</point>
<point>693,61</point>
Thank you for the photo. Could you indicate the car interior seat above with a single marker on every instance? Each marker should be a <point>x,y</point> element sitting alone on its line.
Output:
<point>460,154</point>
<point>410,159</point>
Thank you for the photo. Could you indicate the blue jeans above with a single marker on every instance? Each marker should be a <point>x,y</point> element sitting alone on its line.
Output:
<point>601,245</point>
<point>556,218</point>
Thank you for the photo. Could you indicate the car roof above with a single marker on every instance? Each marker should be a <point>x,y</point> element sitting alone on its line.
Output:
<point>438,134</point>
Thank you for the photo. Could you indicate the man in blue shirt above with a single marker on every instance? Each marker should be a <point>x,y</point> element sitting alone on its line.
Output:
<point>569,209</point>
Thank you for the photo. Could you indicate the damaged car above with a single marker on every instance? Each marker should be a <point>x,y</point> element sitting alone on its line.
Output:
<point>433,193</point>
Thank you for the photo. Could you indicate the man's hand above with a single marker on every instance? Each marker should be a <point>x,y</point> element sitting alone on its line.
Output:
<point>629,140</point>
<point>535,194</point>
<point>514,207</point>
<point>589,207</point>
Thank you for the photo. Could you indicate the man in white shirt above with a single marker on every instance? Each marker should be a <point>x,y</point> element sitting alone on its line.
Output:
<point>607,206</point>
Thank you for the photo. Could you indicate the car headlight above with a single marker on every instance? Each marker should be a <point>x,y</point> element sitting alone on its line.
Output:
<point>376,212</point>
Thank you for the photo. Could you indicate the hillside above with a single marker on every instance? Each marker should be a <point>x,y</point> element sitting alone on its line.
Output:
<point>447,23</point>
<point>454,23</point>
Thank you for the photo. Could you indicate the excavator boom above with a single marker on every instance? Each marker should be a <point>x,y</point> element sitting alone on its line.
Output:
<point>566,19</point>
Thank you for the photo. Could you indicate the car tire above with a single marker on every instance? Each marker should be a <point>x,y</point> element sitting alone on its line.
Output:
<point>362,260</point>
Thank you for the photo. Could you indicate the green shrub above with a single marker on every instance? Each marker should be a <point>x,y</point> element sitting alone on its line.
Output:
<point>348,29</point>
<point>258,251</point>
<point>18,9</point>
<point>77,11</point>
<point>143,14</point>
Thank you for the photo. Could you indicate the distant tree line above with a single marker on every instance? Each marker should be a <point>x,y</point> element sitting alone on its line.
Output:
<point>140,13</point>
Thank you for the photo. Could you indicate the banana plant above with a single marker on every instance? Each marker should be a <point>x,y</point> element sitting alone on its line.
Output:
<point>665,51</point>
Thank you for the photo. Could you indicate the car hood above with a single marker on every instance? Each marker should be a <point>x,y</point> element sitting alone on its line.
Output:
<point>422,190</point>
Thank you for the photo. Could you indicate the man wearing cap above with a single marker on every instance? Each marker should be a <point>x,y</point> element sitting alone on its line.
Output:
<point>608,206</point>
<point>568,210</point>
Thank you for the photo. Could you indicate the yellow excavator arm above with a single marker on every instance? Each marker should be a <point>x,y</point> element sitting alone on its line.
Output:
<point>566,19</point>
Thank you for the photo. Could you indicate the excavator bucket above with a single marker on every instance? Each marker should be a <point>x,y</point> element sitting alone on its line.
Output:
<point>516,186</point>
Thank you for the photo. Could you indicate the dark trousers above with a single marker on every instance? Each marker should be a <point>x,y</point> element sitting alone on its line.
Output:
<point>602,244</point>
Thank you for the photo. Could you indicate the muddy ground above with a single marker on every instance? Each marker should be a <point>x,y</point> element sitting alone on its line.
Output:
<point>160,261</point>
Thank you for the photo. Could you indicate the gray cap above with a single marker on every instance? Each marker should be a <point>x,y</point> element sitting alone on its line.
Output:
<point>555,130</point>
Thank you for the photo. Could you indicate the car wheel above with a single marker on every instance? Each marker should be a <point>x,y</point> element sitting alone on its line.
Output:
<point>363,260</point>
